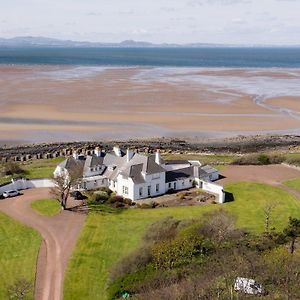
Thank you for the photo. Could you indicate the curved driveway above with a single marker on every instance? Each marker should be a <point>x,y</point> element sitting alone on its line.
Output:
<point>59,235</point>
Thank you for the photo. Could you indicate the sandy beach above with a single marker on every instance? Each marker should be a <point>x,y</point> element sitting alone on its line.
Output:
<point>65,103</point>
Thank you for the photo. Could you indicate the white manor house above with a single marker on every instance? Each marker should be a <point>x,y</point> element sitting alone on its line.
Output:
<point>136,176</point>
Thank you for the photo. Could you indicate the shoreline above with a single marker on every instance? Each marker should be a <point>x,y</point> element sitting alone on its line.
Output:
<point>240,144</point>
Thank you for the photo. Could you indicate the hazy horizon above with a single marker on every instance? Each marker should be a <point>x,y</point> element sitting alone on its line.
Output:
<point>267,22</point>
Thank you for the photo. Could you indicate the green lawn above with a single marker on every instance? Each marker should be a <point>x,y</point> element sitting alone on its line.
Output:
<point>46,207</point>
<point>214,159</point>
<point>19,246</point>
<point>293,183</point>
<point>38,168</point>
<point>107,237</point>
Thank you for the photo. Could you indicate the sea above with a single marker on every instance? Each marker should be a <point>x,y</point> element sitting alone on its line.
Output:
<point>217,57</point>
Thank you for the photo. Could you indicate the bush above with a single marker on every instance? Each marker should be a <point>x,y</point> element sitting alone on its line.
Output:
<point>12,168</point>
<point>134,262</point>
<point>100,196</point>
<point>145,206</point>
<point>127,201</point>
<point>259,159</point>
<point>293,161</point>
<point>163,229</point>
<point>107,190</point>
<point>174,253</point>
<point>115,198</point>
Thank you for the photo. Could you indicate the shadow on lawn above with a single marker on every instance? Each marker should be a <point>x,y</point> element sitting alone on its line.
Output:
<point>229,197</point>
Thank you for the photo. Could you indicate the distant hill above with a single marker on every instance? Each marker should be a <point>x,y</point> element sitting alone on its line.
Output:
<point>39,42</point>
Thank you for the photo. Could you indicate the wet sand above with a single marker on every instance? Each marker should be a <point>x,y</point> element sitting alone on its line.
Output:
<point>56,103</point>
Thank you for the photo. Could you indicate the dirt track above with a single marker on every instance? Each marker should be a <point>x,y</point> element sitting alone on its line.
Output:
<point>59,234</point>
<point>271,174</point>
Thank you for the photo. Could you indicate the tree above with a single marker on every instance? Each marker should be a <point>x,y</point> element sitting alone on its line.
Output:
<point>268,209</point>
<point>218,225</point>
<point>19,290</point>
<point>292,231</point>
<point>12,168</point>
<point>64,182</point>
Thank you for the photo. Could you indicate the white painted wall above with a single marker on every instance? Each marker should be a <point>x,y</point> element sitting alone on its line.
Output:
<point>179,185</point>
<point>23,184</point>
<point>212,188</point>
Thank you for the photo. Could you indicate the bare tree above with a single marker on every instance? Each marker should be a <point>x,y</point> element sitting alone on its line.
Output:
<point>268,209</point>
<point>64,182</point>
<point>218,225</point>
<point>19,290</point>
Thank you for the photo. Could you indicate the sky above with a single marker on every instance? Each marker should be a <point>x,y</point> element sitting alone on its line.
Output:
<point>159,21</point>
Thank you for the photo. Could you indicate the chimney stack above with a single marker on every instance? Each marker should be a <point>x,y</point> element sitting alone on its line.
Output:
<point>97,151</point>
<point>75,155</point>
<point>129,154</point>
<point>158,159</point>
<point>117,151</point>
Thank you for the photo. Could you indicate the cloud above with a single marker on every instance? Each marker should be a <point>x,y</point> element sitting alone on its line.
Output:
<point>216,2</point>
<point>94,13</point>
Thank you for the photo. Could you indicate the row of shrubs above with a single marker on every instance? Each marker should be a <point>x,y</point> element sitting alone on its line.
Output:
<point>259,159</point>
<point>106,196</point>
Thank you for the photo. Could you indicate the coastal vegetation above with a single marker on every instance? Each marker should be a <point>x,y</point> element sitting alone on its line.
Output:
<point>46,207</point>
<point>19,246</point>
<point>109,235</point>
<point>201,258</point>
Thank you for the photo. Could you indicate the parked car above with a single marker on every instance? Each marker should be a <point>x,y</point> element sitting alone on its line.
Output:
<point>248,286</point>
<point>77,195</point>
<point>11,193</point>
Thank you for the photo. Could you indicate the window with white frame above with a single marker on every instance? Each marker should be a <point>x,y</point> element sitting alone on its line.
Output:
<point>157,188</point>
<point>125,190</point>
<point>141,191</point>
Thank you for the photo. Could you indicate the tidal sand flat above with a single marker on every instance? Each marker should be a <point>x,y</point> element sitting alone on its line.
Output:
<point>41,103</point>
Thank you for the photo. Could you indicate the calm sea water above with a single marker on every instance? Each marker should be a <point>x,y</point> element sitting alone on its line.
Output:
<point>178,57</point>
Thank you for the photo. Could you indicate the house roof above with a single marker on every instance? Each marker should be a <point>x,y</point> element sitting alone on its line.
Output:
<point>179,174</point>
<point>136,174</point>
<point>176,162</point>
<point>147,163</point>
<point>71,162</point>
<point>209,169</point>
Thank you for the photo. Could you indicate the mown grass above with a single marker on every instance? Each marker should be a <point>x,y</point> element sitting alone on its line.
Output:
<point>19,246</point>
<point>214,159</point>
<point>107,236</point>
<point>46,207</point>
<point>293,183</point>
<point>41,168</point>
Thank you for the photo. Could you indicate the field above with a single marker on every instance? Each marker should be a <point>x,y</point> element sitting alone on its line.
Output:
<point>109,236</point>
<point>42,168</point>
<point>214,159</point>
<point>46,207</point>
<point>293,183</point>
<point>19,246</point>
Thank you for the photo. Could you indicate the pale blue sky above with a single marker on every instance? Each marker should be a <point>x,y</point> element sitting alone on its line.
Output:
<point>172,21</point>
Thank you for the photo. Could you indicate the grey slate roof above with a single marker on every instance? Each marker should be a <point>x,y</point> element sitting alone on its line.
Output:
<point>179,174</point>
<point>70,163</point>
<point>209,169</point>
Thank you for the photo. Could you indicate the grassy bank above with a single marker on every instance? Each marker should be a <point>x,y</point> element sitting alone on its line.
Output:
<point>293,183</point>
<point>46,207</point>
<point>107,237</point>
<point>19,246</point>
<point>42,168</point>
